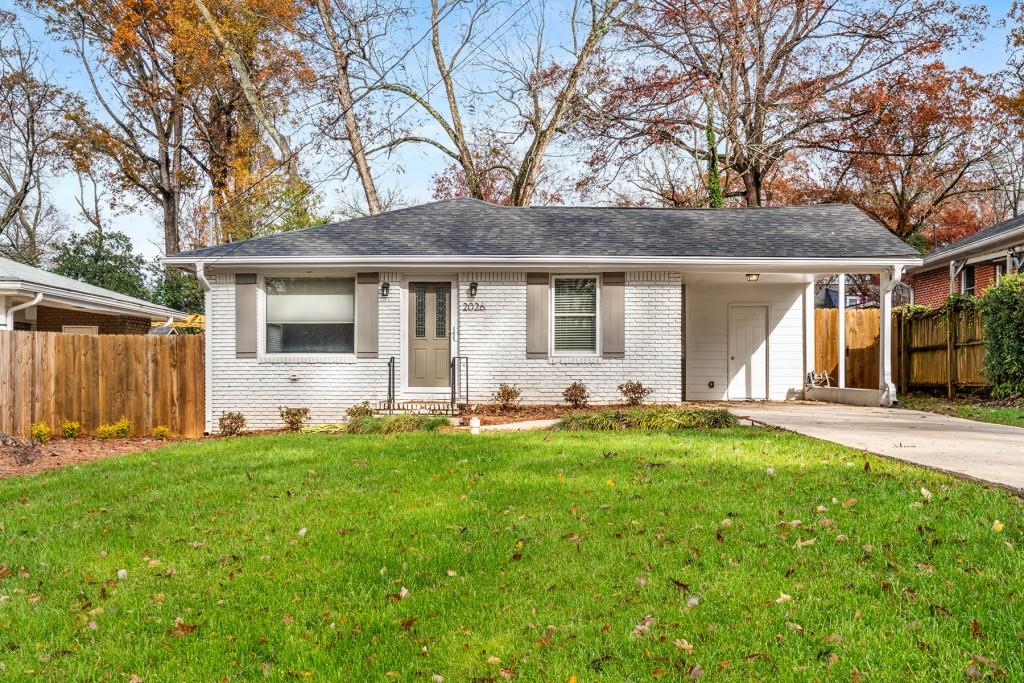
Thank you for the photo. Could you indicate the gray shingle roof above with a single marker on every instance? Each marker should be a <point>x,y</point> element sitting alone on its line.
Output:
<point>469,227</point>
<point>1011,228</point>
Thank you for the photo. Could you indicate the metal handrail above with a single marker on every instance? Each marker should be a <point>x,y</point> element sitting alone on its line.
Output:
<point>459,381</point>
<point>391,384</point>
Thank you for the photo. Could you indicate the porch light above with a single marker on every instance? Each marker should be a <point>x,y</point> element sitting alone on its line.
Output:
<point>752,277</point>
<point>472,288</point>
<point>385,287</point>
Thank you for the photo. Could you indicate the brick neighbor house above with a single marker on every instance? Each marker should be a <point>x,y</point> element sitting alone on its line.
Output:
<point>32,299</point>
<point>971,265</point>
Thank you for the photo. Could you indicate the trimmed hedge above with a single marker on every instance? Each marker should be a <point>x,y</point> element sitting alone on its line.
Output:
<point>649,418</point>
<point>1003,309</point>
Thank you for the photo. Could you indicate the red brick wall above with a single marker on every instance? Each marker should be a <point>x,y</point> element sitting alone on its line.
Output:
<point>984,277</point>
<point>932,288</point>
<point>53,319</point>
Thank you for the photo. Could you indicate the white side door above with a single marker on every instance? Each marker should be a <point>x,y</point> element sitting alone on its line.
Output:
<point>748,353</point>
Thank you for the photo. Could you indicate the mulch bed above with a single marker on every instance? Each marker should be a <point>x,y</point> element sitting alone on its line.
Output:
<point>492,413</point>
<point>63,452</point>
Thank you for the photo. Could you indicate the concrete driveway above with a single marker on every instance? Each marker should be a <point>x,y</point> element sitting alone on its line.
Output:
<point>986,452</point>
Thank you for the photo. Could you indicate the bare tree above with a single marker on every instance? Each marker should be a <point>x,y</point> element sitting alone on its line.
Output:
<point>767,68</point>
<point>526,109</point>
<point>31,129</point>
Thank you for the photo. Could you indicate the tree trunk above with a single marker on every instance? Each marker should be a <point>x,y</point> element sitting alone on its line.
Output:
<point>343,90</point>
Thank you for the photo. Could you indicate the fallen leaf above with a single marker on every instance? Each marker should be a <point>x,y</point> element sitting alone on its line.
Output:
<point>833,639</point>
<point>693,602</point>
<point>825,522</point>
<point>998,526</point>
<point>793,626</point>
<point>685,587</point>
<point>303,531</point>
<point>841,538</point>
<point>696,672</point>
<point>821,508</point>
<point>493,661</point>
<point>976,629</point>
<point>849,502</point>
<point>5,571</point>
<point>644,626</point>
<point>452,572</point>
<point>682,644</point>
<point>122,574</point>
<point>726,522</point>
<point>403,593</point>
<point>181,629</point>
<point>803,544</point>
<point>437,678</point>
<point>926,494</point>
<point>783,598</point>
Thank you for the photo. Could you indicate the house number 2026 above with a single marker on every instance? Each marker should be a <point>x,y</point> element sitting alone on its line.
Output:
<point>473,306</point>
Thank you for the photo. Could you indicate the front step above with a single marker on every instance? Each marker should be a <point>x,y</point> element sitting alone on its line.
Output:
<point>413,408</point>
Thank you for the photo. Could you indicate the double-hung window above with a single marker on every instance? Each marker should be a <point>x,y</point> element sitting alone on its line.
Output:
<point>310,315</point>
<point>575,315</point>
<point>967,283</point>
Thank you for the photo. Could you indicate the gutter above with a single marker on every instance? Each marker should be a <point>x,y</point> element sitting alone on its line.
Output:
<point>939,258</point>
<point>825,265</point>
<point>9,323</point>
<point>80,299</point>
<point>201,275</point>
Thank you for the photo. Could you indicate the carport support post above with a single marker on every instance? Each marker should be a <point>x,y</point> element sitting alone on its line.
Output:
<point>887,280</point>
<point>842,331</point>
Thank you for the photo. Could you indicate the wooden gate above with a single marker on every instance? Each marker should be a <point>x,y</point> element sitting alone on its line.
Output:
<point>862,327</point>
<point>97,379</point>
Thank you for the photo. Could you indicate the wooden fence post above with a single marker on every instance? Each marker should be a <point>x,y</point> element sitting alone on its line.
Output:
<point>951,325</point>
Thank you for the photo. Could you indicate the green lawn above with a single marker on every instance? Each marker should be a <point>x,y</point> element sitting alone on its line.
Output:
<point>966,409</point>
<point>533,556</point>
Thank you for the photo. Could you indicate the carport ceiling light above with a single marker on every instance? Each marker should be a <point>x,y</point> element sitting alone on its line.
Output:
<point>752,277</point>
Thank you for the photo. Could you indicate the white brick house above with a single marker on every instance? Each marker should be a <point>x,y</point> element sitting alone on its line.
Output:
<point>696,304</point>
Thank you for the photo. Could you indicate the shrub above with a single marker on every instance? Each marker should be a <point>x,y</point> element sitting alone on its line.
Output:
<point>576,395</point>
<point>70,429</point>
<point>359,410</point>
<point>41,432</point>
<point>507,396</point>
<point>231,424</point>
<point>395,424</point>
<point>649,418</point>
<point>162,432</point>
<point>634,392</point>
<point>1003,310</point>
<point>294,418</point>
<point>121,429</point>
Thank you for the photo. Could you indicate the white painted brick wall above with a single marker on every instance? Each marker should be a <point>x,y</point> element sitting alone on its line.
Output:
<point>494,340</point>
<point>257,389</point>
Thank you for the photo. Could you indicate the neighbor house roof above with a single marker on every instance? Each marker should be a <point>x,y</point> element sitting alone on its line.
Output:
<point>474,229</point>
<point>18,279</point>
<point>1001,236</point>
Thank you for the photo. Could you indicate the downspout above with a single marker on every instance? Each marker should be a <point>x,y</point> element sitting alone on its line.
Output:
<point>9,323</point>
<point>207,348</point>
<point>201,276</point>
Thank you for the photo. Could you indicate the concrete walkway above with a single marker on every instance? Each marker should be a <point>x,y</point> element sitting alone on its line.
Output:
<point>976,450</point>
<point>519,426</point>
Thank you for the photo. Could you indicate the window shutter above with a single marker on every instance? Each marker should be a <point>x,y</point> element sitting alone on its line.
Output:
<point>245,315</point>
<point>367,302</point>
<point>537,297</point>
<point>613,315</point>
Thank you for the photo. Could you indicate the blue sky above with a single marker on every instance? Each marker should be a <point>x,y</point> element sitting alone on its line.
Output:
<point>417,163</point>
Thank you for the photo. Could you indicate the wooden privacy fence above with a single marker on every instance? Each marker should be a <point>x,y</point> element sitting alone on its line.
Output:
<point>938,350</point>
<point>927,351</point>
<point>861,346</point>
<point>97,379</point>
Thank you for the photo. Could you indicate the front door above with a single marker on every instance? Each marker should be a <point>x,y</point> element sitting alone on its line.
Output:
<point>748,353</point>
<point>429,334</point>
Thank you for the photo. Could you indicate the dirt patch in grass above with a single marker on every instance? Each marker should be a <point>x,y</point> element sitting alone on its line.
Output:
<point>63,452</point>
